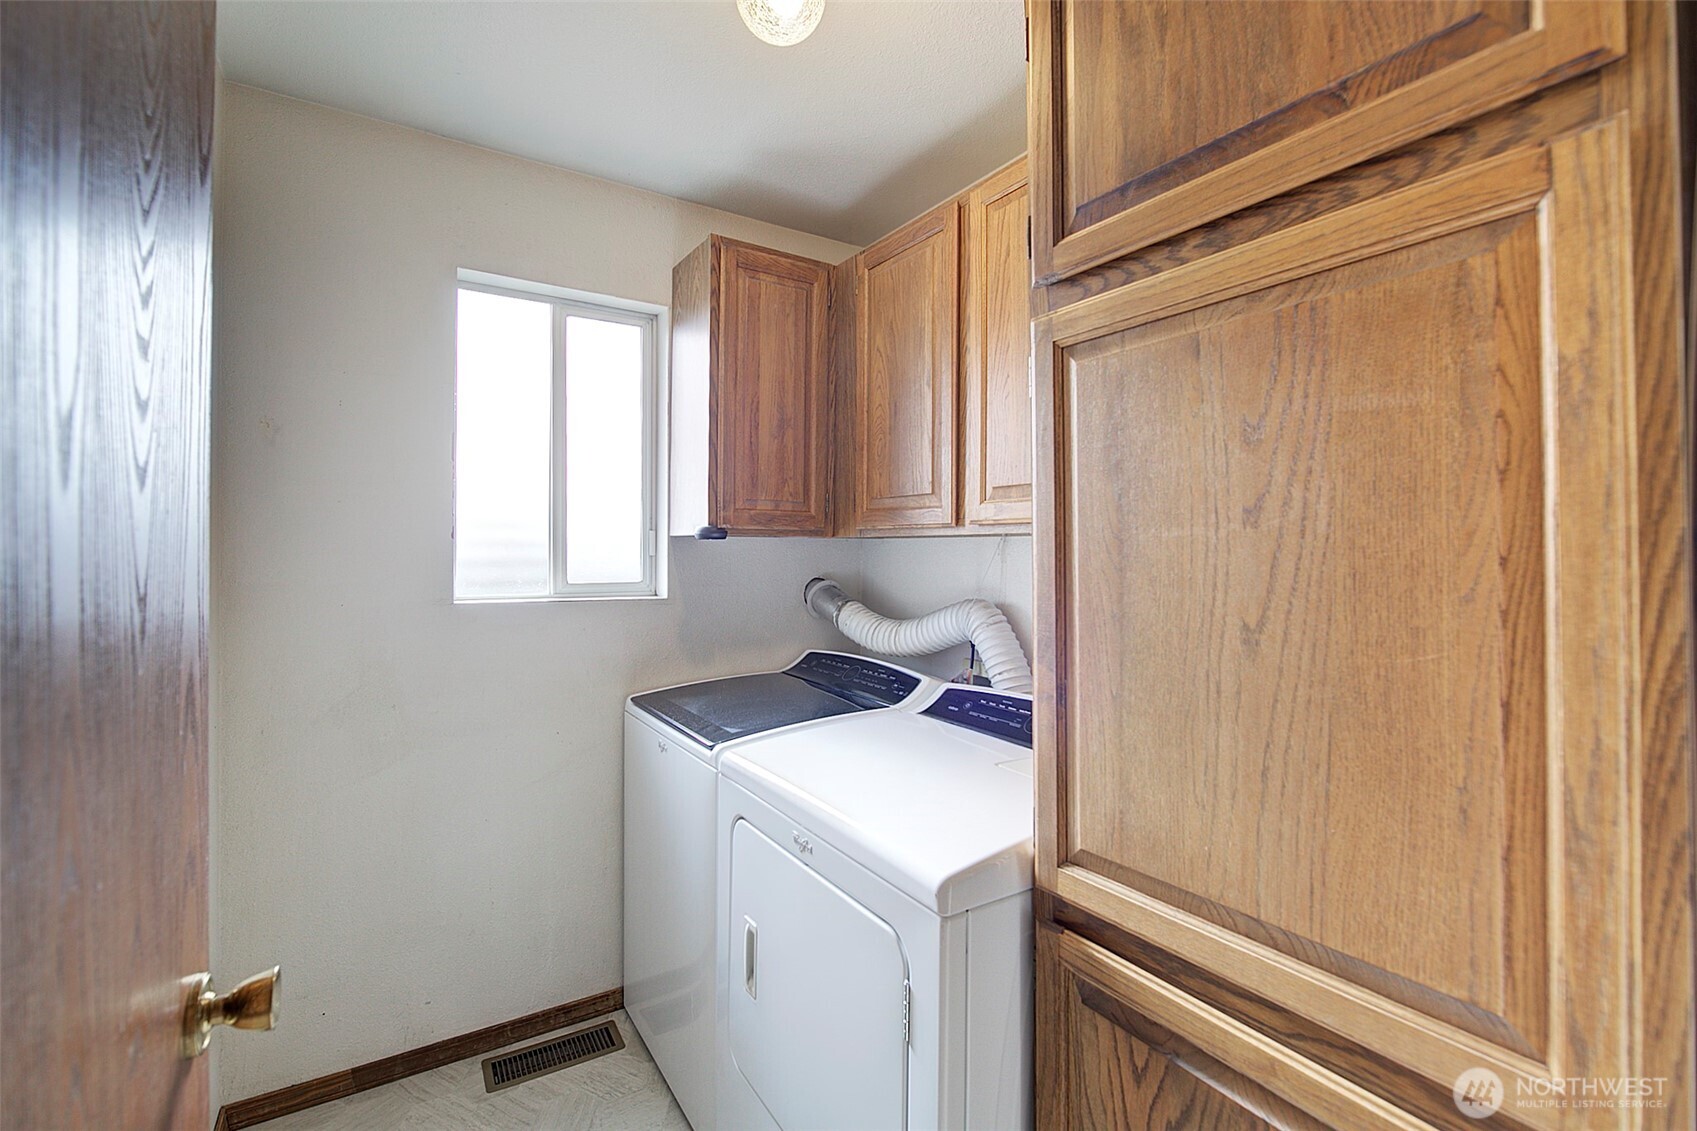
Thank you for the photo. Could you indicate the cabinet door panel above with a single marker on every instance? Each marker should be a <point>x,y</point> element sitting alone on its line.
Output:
<point>770,453</point>
<point>1150,118</point>
<point>1119,1049</point>
<point>1341,607</point>
<point>908,294</point>
<point>996,351</point>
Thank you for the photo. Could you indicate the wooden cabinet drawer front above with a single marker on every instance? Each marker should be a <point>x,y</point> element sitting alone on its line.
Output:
<point>1341,602</point>
<point>1151,118</point>
<point>1117,1048</point>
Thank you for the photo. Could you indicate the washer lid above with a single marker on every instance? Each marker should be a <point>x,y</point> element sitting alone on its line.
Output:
<point>722,709</point>
<point>817,686</point>
<point>941,812</point>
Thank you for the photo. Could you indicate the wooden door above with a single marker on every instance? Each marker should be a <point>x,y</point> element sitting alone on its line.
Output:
<point>1338,582</point>
<point>770,457</point>
<point>996,350</point>
<point>1150,118</point>
<point>107,112</point>
<point>908,292</point>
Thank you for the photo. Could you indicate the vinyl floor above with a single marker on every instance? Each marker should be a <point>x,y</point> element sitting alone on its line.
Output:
<point>621,1091</point>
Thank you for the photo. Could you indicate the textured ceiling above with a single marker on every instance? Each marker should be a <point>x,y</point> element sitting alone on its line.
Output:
<point>890,106</point>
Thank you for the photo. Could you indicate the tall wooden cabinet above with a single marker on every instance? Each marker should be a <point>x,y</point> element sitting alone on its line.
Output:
<point>750,392</point>
<point>1362,560</point>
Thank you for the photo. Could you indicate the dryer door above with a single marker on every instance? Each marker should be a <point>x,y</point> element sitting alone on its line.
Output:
<point>818,988</point>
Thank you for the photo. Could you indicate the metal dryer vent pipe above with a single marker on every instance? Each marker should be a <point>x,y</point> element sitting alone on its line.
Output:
<point>971,621</point>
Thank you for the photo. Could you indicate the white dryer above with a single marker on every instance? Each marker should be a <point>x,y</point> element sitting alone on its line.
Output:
<point>674,738</point>
<point>874,921</point>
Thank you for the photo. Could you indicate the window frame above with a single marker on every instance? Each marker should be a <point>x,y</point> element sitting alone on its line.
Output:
<point>565,302</point>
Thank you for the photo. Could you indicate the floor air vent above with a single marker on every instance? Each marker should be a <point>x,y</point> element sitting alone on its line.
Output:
<point>550,1056</point>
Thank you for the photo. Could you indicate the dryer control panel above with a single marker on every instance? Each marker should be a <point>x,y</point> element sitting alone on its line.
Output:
<point>994,713</point>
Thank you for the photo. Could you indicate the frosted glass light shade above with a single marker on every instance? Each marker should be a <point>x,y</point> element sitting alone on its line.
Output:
<point>781,23</point>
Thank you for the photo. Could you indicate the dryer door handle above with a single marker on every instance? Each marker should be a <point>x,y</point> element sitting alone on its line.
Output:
<point>750,956</point>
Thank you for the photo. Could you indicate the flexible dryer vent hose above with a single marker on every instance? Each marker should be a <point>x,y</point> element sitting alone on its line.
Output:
<point>975,621</point>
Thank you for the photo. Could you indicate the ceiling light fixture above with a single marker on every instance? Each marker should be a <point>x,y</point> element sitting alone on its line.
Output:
<point>782,23</point>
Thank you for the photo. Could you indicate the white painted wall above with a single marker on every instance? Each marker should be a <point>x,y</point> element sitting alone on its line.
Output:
<point>418,803</point>
<point>904,577</point>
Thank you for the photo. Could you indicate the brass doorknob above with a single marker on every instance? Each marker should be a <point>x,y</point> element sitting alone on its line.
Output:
<point>251,1005</point>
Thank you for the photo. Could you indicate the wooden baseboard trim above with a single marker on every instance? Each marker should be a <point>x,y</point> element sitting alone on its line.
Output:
<point>311,1093</point>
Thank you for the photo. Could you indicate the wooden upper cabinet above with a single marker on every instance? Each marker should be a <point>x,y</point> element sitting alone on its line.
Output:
<point>1337,573</point>
<point>750,391</point>
<point>940,368</point>
<point>905,405</point>
<point>996,351</point>
<point>1150,118</point>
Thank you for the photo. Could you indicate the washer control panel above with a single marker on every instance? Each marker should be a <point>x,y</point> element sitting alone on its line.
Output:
<point>865,683</point>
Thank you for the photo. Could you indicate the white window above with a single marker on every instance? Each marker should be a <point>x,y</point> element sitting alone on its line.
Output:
<point>555,444</point>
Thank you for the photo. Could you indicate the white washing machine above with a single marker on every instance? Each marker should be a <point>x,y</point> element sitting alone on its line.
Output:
<point>674,738</point>
<point>874,921</point>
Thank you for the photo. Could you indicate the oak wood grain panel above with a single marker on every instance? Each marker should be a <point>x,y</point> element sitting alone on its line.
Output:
<point>1594,611</point>
<point>908,294</point>
<point>1532,121</point>
<point>1500,186</point>
<point>1135,1052</point>
<point>1646,88</point>
<point>1429,1100</point>
<point>996,350</point>
<point>1217,69</point>
<point>106,133</point>
<point>1377,513</point>
<point>1100,1066</point>
<point>1320,727</point>
<point>1131,1073</point>
<point>1119,162</point>
<point>771,391</point>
